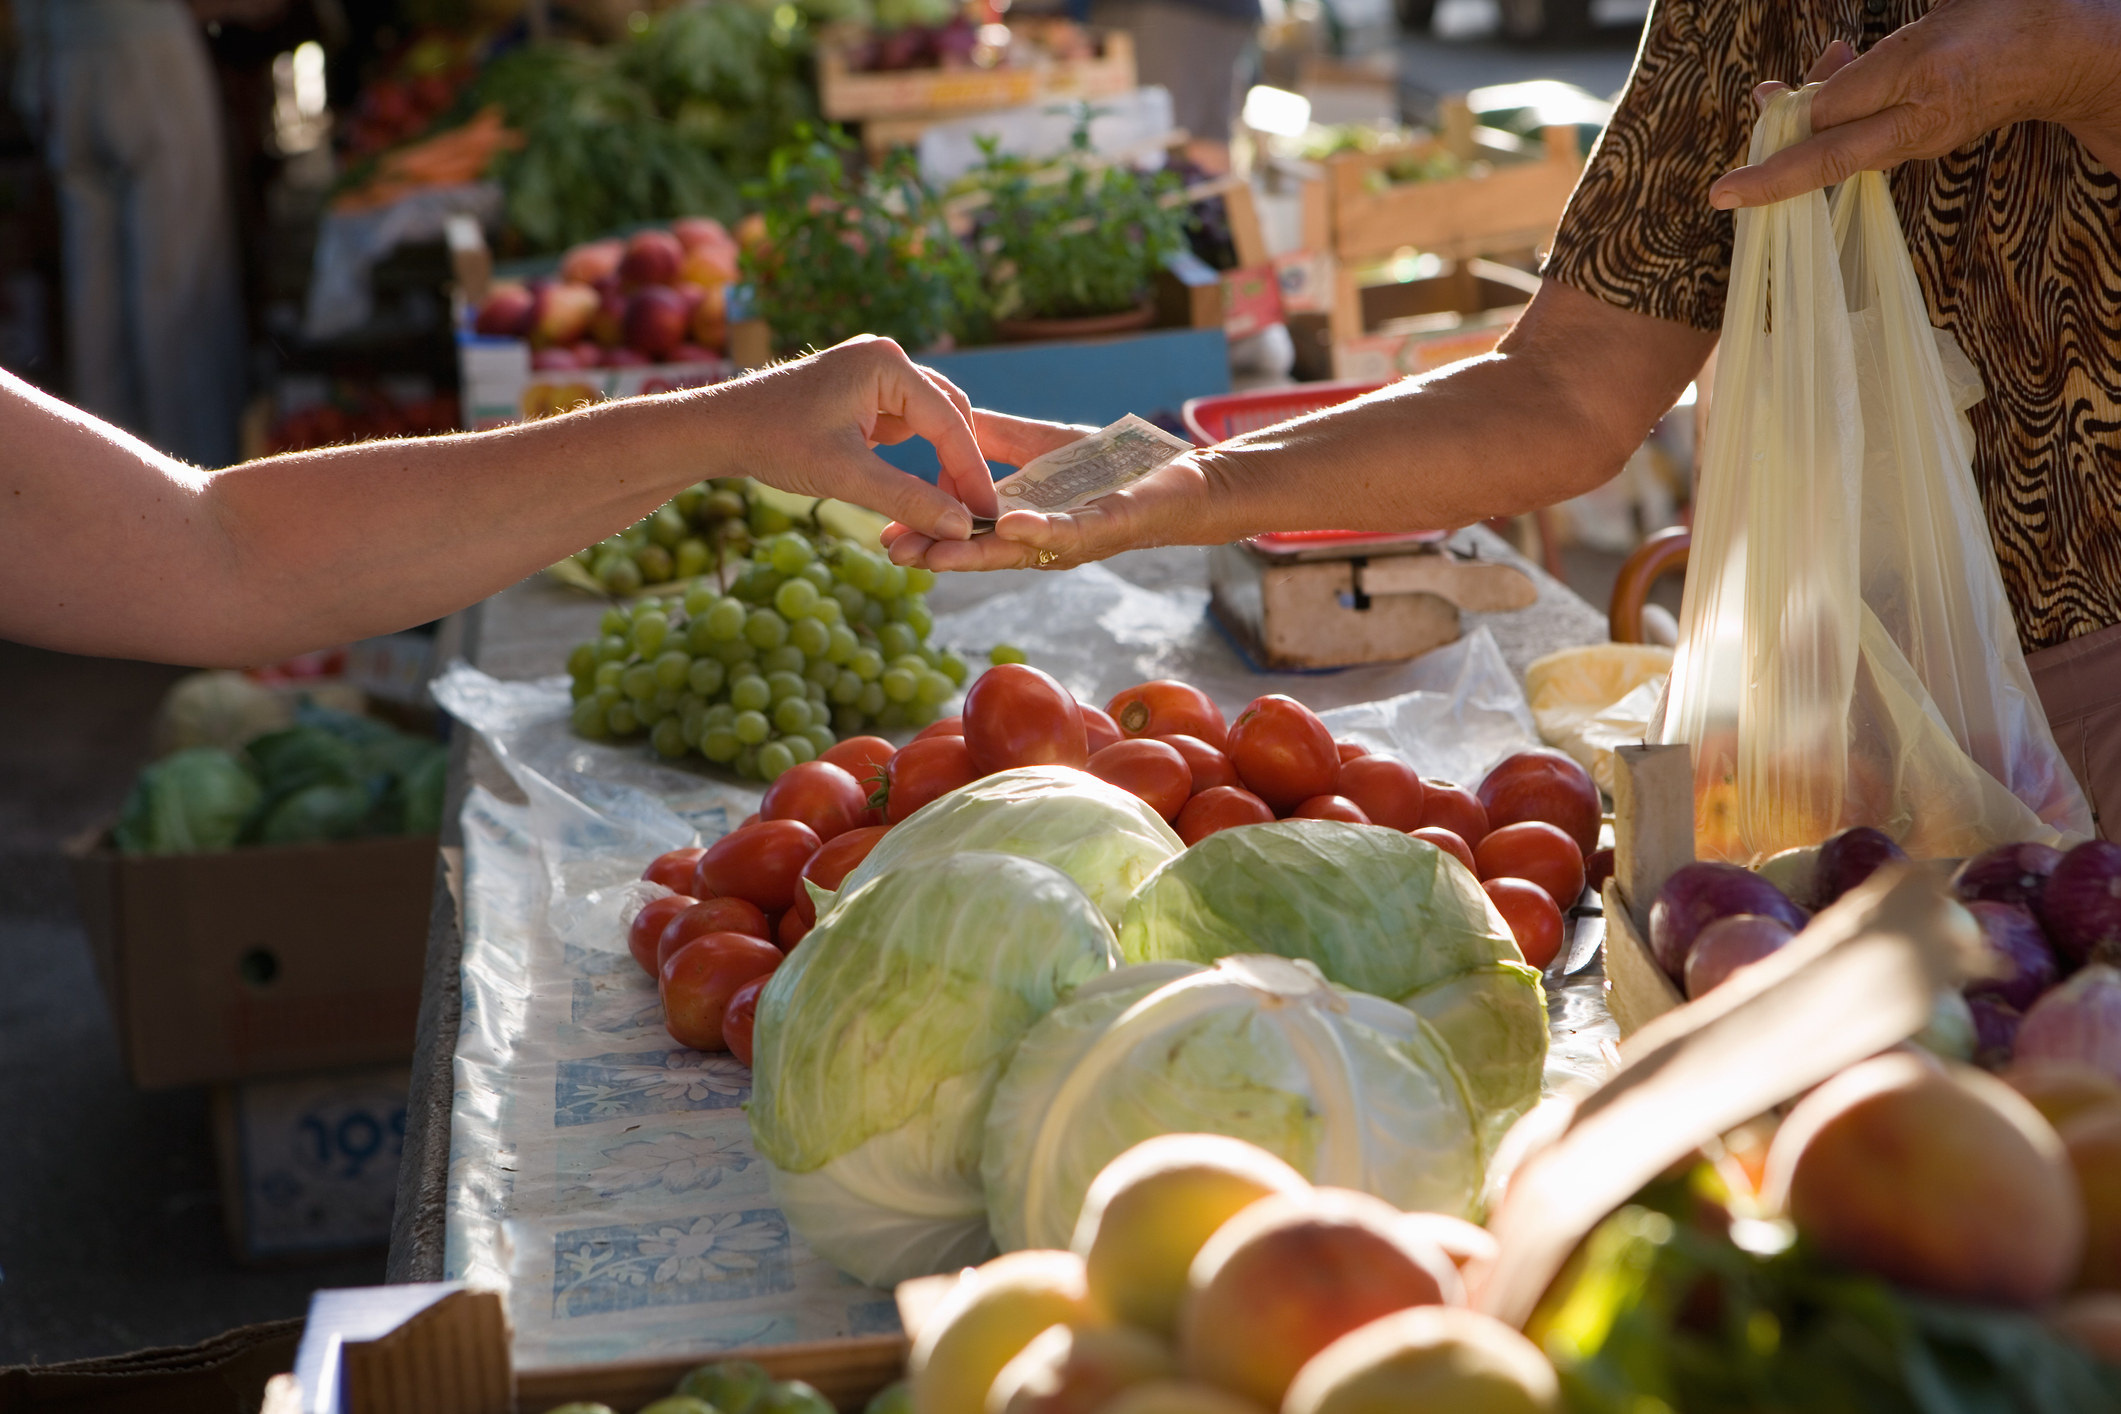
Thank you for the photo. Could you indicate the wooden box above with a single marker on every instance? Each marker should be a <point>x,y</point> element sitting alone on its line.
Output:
<point>906,100</point>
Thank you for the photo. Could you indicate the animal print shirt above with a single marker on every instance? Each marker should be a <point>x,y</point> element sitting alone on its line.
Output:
<point>2016,239</point>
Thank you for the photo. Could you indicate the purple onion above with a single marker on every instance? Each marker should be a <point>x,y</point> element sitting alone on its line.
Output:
<point>1697,895</point>
<point>1848,859</point>
<point>2081,906</point>
<point>1996,1025</point>
<point>2078,1022</point>
<point>1729,944</point>
<point>2009,873</point>
<point>2021,964</point>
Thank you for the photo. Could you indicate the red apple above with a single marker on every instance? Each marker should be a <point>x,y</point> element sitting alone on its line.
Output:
<point>592,261</point>
<point>652,258</point>
<point>608,325</point>
<point>655,321</point>
<point>507,311</point>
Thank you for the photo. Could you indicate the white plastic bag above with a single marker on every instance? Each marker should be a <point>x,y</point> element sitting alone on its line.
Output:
<point>1846,652</point>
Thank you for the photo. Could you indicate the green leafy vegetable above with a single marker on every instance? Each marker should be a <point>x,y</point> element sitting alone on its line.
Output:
<point>189,802</point>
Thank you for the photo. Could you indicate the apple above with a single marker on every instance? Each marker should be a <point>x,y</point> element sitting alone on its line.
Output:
<point>508,310</point>
<point>565,308</point>
<point>592,261</point>
<point>652,258</point>
<point>655,321</point>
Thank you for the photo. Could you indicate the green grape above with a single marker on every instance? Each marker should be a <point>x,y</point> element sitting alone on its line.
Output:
<point>913,663</point>
<point>622,720</point>
<point>608,674</point>
<point>723,503</point>
<point>828,612</point>
<point>953,667</point>
<point>791,714</point>
<point>664,702</point>
<point>610,697</point>
<point>1002,653</point>
<point>816,693</point>
<point>795,598</point>
<point>872,699</point>
<point>768,520</point>
<point>725,619</point>
<point>808,636</point>
<point>820,737</point>
<point>751,727</point>
<point>763,628</point>
<point>615,620</point>
<point>589,719</point>
<point>746,764</point>
<point>821,671</point>
<point>706,676</point>
<point>638,682</point>
<point>800,746</point>
<point>893,717</point>
<point>697,639</point>
<point>646,607</point>
<point>785,685</point>
<point>774,758</point>
<point>897,640</point>
<point>619,575</point>
<point>934,689</point>
<point>790,552</point>
<point>919,579</point>
<point>873,615</point>
<point>847,720</point>
<point>655,563</point>
<point>668,738</point>
<point>582,660</point>
<point>891,581</point>
<point>648,634</point>
<point>672,668</point>
<point>915,615</point>
<point>699,598</point>
<point>720,744</point>
<point>734,652</point>
<point>692,717</point>
<point>691,557</point>
<point>851,600</point>
<point>846,689</point>
<point>720,714</point>
<point>900,685</point>
<point>581,688</point>
<point>866,664</point>
<point>785,659</point>
<point>921,713</point>
<point>688,500</point>
<point>843,645</point>
<point>843,567</point>
<point>756,584</point>
<point>864,571</point>
<point>613,648</point>
<point>820,574</point>
<point>750,693</point>
<point>667,526</point>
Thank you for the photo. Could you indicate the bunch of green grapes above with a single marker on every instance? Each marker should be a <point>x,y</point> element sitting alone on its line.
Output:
<point>688,535</point>
<point>811,644</point>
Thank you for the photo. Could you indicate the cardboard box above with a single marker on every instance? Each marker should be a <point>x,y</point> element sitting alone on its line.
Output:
<point>258,961</point>
<point>309,1163</point>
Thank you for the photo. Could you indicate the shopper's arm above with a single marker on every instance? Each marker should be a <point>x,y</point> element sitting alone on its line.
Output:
<point>1556,411</point>
<point>109,547</point>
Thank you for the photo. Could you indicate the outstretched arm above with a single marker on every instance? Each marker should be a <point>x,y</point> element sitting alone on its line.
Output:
<point>109,547</point>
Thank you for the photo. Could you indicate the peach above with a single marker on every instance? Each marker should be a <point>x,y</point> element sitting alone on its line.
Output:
<point>1149,1211</point>
<point>1071,1371</point>
<point>508,310</point>
<point>655,321</point>
<point>2093,1142</point>
<point>652,258</point>
<point>1179,1397</point>
<point>1437,1359</point>
<point>565,308</point>
<point>2061,1091</point>
<point>1939,1178</point>
<point>987,1319</point>
<point>592,261</point>
<point>1291,1274</point>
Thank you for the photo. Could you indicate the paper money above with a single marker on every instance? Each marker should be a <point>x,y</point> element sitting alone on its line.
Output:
<point>1079,473</point>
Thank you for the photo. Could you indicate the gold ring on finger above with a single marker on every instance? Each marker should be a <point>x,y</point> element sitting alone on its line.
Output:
<point>1047,557</point>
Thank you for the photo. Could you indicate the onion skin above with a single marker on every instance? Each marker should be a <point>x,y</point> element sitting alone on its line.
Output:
<point>1996,1024</point>
<point>2010,873</point>
<point>1700,893</point>
<point>1729,944</point>
<point>2024,965</point>
<point>2078,1022</point>
<point>2081,907</point>
<point>1848,859</point>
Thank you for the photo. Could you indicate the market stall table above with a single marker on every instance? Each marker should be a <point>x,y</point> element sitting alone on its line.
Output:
<point>526,631</point>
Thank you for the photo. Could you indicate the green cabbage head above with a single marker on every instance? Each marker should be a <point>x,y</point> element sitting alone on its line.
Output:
<point>1376,911</point>
<point>1351,1090</point>
<point>1097,834</point>
<point>189,802</point>
<point>879,1042</point>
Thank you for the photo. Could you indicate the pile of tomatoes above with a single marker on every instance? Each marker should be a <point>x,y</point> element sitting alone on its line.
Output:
<point>738,906</point>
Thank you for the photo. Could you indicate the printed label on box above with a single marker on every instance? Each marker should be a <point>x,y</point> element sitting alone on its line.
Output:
<point>1251,301</point>
<point>1306,279</point>
<point>318,1159</point>
<point>1384,357</point>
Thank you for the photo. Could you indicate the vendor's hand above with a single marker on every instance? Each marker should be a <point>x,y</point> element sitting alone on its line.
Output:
<point>808,427</point>
<point>1961,71</point>
<point>1012,441</point>
<point>1166,507</point>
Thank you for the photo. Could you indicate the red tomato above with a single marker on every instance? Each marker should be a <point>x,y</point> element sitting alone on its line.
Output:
<point>790,930</point>
<point>1386,788</point>
<point>1534,850</point>
<point>712,915</point>
<point>1330,807</point>
<point>1098,727</point>
<point>821,795</point>
<point>1283,753</point>
<point>1349,751</point>
<point>1016,715</point>
<point>1534,920</point>
<point>758,862</point>
<point>698,980</point>
<point>1167,708</point>
<point>1221,808</point>
<point>861,757</point>
<point>1210,767</point>
<point>741,1017</point>
<point>673,870</point>
<point>1597,868</point>
<point>1544,785</point>
<point>948,726</point>
<point>1148,769</point>
<point>748,821</point>
<point>924,771</point>
<point>1452,807</point>
<point>1449,843</point>
<point>648,925</point>
<point>831,865</point>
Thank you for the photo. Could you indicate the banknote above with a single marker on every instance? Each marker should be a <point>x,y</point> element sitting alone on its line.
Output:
<point>1077,474</point>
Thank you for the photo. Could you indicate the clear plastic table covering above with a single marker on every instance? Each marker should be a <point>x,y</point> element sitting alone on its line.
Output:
<point>603,1176</point>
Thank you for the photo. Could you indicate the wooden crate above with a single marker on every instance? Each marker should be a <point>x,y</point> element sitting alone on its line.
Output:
<point>904,101</point>
<point>1514,205</point>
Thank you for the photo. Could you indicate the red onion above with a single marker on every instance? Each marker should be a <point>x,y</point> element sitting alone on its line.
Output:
<point>1848,859</point>
<point>2081,907</point>
<point>2022,964</point>
<point>1996,1025</point>
<point>1697,895</point>
<point>1729,944</point>
<point>2079,1021</point>
<point>2009,873</point>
